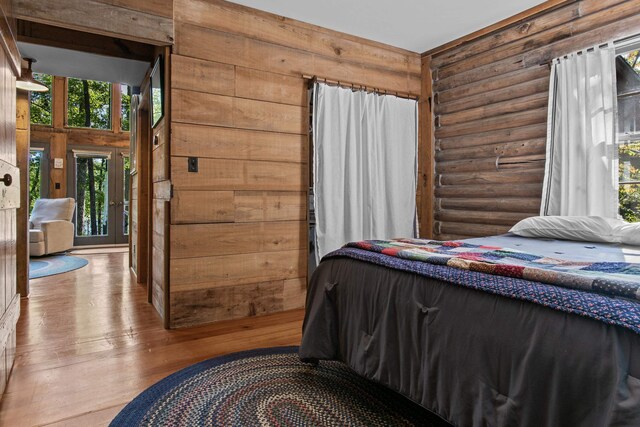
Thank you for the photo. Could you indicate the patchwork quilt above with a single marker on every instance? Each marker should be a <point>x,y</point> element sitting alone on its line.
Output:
<point>619,279</point>
<point>609,309</point>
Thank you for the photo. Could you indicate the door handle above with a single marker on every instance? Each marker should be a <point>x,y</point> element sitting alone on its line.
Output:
<point>112,203</point>
<point>7,179</point>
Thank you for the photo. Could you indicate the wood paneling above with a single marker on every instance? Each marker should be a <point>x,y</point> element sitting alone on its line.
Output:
<point>9,298</point>
<point>225,270</point>
<point>224,174</point>
<point>255,84</point>
<point>270,206</point>
<point>239,231</point>
<point>22,214</point>
<point>230,143</point>
<point>236,112</point>
<point>491,95</point>
<point>201,207</point>
<point>147,21</point>
<point>254,24</point>
<point>195,240</point>
<point>202,76</point>
<point>160,210</point>
<point>252,53</point>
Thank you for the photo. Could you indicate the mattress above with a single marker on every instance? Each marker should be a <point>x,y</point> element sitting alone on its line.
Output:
<point>474,357</point>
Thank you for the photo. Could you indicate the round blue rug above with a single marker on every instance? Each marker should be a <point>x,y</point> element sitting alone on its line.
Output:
<point>270,387</point>
<point>56,264</point>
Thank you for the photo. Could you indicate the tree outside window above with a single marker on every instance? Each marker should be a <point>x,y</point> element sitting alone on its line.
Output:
<point>35,177</point>
<point>89,104</point>
<point>41,104</point>
<point>125,108</point>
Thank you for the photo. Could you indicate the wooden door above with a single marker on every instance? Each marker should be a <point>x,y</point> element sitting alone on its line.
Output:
<point>9,193</point>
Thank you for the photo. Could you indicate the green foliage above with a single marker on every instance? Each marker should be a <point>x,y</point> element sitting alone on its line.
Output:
<point>92,196</point>
<point>89,104</point>
<point>125,109</point>
<point>41,101</point>
<point>35,177</point>
<point>633,58</point>
<point>629,171</point>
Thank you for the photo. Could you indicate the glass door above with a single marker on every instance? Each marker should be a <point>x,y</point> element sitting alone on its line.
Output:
<point>122,197</point>
<point>98,181</point>
<point>38,173</point>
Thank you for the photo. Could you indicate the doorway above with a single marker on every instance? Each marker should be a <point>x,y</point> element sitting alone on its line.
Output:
<point>98,180</point>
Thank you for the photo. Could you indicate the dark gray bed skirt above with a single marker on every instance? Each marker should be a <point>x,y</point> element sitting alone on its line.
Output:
<point>473,358</point>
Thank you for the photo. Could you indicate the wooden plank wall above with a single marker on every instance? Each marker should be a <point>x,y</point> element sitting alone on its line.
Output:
<point>23,117</point>
<point>239,104</point>
<point>9,298</point>
<point>149,21</point>
<point>491,98</point>
<point>160,203</point>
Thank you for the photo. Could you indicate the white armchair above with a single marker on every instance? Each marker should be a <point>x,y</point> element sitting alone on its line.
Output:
<point>50,226</point>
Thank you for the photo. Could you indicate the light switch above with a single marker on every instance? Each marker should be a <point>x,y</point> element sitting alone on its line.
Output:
<point>58,163</point>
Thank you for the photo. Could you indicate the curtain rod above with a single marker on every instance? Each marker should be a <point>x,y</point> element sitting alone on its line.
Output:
<point>356,86</point>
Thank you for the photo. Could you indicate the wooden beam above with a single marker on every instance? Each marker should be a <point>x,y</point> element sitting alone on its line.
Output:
<point>98,17</point>
<point>49,35</point>
<point>500,25</point>
<point>116,108</point>
<point>59,103</point>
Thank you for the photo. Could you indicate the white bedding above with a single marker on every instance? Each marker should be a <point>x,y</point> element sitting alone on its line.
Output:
<point>564,249</point>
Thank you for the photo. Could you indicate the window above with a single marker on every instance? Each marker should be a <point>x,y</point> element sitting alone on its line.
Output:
<point>41,101</point>
<point>125,108</point>
<point>89,104</point>
<point>38,173</point>
<point>628,87</point>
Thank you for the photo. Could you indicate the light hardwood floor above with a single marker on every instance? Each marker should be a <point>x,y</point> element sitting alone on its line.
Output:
<point>88,342</point>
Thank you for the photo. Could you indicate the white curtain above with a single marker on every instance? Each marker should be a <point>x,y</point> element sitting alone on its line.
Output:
<point>364,166</point>
<point>581,166</point>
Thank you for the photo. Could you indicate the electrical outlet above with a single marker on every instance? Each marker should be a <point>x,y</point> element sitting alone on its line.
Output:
<point>193,164</point>
<point>57,185</point>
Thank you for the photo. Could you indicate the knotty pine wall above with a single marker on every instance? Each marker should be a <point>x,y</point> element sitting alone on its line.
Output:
<point>238,230</point>
<point>490,99</point>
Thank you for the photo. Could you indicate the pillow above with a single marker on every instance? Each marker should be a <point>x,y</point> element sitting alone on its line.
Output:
<point>581,228</point>
<point>628,233</point>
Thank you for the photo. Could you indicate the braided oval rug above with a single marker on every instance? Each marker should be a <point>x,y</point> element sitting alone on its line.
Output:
<point>270,387</point>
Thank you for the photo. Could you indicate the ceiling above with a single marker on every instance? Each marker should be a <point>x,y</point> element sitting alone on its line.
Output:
<point>82,65</point>
<point>416,25</point>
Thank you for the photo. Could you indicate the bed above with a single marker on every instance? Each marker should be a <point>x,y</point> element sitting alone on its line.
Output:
<point>484,349</point>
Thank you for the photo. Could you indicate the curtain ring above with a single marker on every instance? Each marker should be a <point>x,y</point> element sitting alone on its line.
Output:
<point>498,163</point>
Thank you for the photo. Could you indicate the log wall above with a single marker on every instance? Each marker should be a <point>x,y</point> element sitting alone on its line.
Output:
<point>490,110</point>
<point>239,104</point>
